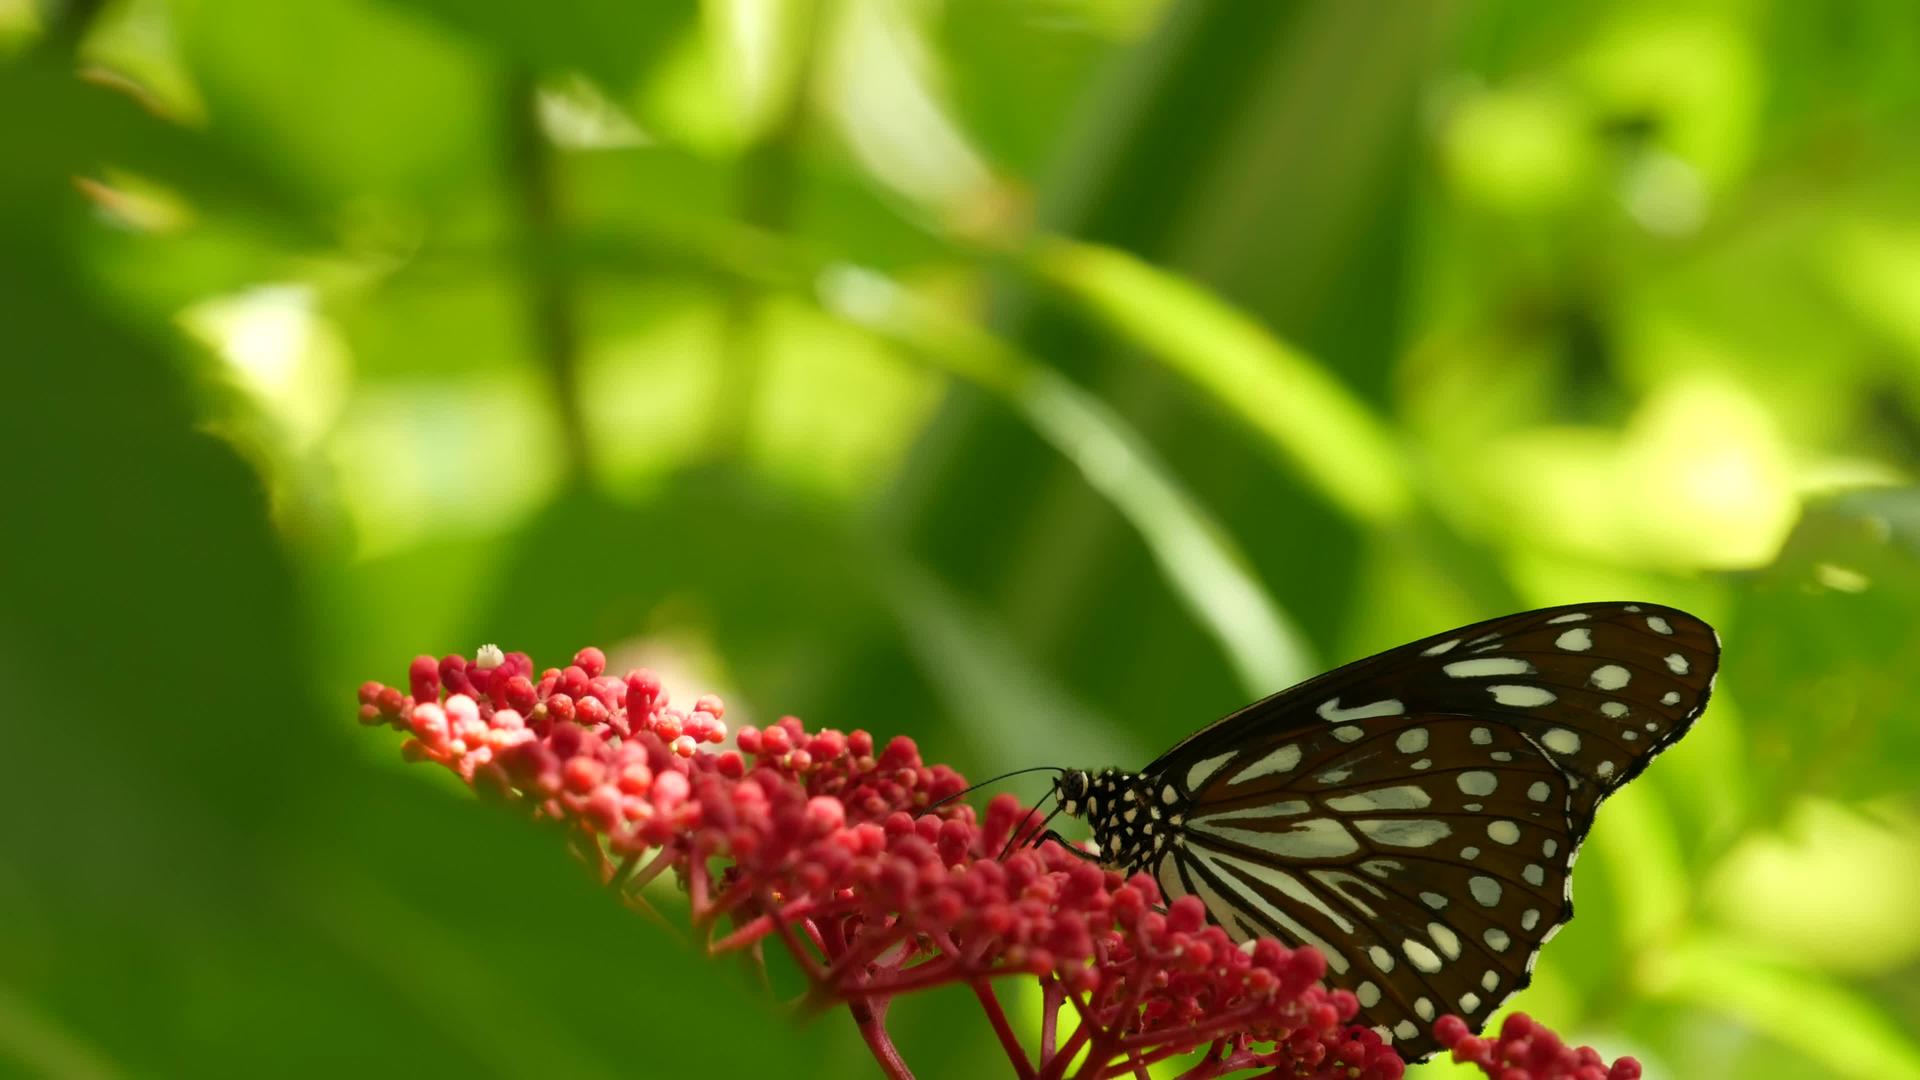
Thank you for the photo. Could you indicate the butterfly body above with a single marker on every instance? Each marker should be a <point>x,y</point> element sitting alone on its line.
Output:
<point>1415,815</point>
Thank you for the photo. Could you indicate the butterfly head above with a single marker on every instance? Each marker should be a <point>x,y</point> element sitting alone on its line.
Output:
<point>1119,810</point>
<point>1070,789</point>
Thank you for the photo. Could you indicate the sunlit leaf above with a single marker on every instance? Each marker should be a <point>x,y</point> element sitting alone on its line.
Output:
<point>1198,558</point>
<point>1342,447</point>
<point>609,40</point>
<point>1826,651</point>
<point>1797,1007</point>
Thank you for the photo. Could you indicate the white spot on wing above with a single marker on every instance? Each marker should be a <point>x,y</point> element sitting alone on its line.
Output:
<point>1281,760</point>
<point>1331,711</point>
<point>1399,797</point>
<point>1202,771</point>
<point>1477,782</point>
<point>1300,894</point>
<point>1561,741</point>
<point>1405,832</point>
<point>1503,831</point>
<point>1659,625</point>
<point>1411,741</point>
<point>1677,664</point>
<point>1539,791</point>
<point>1575,616</point>
<point>1354,890</point>
<point>1579,639</point>
<point>1314,838</point>
<point>1368,994</point>
<point>1486,891</point>
<point>1488,665</point>
<point>1497,939</point>
<point>1251,900</point>
<point>1348,732</point>
<point>1445,940</point>
<point>1381,958</point>
<point>1613,710</point>
<point>1285,808</point>
<point>1671,697</point>
<point>1420,956</point>
<point>1521,696</point>
<point>1610,676</point>
<point>1480,736</point>
<point>1440,648</point>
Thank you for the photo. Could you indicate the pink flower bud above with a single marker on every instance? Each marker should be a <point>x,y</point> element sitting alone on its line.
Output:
<point>423,677</point>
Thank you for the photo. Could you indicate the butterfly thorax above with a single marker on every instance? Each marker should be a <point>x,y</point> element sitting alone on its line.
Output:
<point>1130,826</point>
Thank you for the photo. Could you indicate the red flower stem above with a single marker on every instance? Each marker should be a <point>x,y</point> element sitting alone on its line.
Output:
<point>1056,1067</point>
<point>623,872</point>
<point>997,1016</point>
<point>931,973</point>
<point>748,933</point>
<point>1209,1065</point>
<point>1049,1015</point>
<point>854,959</point>
<point>587,846</point>
<point>640,879</point>
<point>870,1017</point>
<point>1218,1027</point>
<point>735,895</point>
<point>639,906</point>
<point>801,954</point>
<point>697,888</point>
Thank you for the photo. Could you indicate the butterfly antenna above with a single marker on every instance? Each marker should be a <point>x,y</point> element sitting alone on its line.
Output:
<point>992,780</point>
<point>1021,834</point>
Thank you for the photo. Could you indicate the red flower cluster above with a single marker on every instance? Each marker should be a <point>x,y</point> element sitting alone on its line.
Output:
<point>848,856</point>
<point>1527,1051</point>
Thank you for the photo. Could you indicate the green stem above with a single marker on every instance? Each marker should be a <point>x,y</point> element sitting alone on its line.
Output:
<point>548,282</point>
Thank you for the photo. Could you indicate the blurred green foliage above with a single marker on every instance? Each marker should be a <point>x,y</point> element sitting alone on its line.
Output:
<point>1040,378</point>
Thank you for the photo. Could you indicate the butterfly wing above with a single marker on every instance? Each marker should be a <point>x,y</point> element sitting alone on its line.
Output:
<point>1416,815</point>
<point>1603,688</point>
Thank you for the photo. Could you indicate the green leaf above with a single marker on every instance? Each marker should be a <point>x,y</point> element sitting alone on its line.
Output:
<point>1304,414</point>
<point>1197,557</point>
<point>1824,651</point>
<point>613,41</point>
<point>1822,1019</point>
<point>209,877</point>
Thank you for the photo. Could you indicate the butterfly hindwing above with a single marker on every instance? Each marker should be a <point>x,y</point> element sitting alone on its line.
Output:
<point>1429,884</point>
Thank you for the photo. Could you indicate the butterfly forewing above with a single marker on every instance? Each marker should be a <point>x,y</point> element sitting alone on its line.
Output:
<point>1415,815</point>
<point>1603,688</point>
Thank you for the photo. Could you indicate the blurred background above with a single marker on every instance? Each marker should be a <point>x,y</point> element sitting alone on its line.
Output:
<point>1039,378</point>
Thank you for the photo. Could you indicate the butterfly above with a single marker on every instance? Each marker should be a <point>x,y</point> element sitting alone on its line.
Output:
<point>1414,815</point>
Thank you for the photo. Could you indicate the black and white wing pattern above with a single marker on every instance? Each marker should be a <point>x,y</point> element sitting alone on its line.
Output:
<point>1415,815</point>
